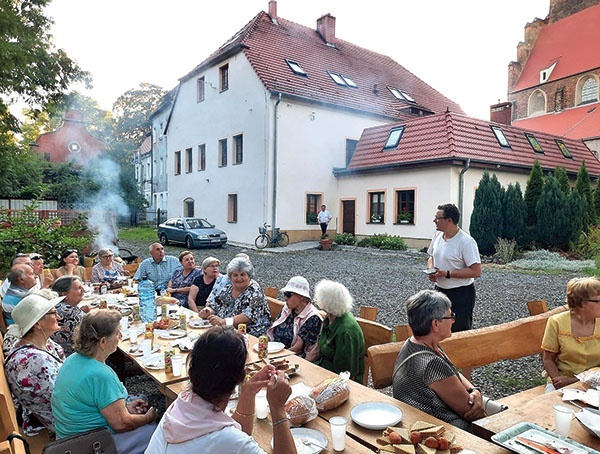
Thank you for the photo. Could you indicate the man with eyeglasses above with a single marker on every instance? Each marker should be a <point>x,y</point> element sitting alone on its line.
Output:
<point>20,258</point>
<point>455,257</point>
<point>22,280</point>
<point>158,268</point>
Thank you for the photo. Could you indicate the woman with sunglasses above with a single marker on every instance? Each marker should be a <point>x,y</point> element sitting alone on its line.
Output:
<point>34,361</point>
<point>107,270</point>
<point>69,265</point>
<point>424,376</point>
<point>46,278</point>
<point>299,323</point>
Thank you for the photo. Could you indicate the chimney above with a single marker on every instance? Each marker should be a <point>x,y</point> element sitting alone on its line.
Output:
<point>501,113</point>
<point>273,9</point>
<point>326,28</point>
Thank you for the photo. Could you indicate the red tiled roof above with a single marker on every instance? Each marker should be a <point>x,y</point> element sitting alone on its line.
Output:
<point>581,122</point>
<point>267,45</point>
<point>449,136</point>
<point>146,145</point>
<point>572,42</point>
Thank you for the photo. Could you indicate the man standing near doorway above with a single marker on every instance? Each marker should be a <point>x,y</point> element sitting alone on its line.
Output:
<point>455,257</point>
<point>324,216</point>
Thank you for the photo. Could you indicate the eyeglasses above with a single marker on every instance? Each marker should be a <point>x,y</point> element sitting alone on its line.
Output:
<point>106,256</point>
<point>55,313</point>
<point>452,316</point>
<point>594,301</point>
<point>287,294</point>
<point>35,257</point>
<point>70,251</point>
<point>439,218</point>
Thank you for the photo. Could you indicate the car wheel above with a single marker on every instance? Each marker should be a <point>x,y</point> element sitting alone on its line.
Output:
<point>189,243</point>
<point>163,239</point>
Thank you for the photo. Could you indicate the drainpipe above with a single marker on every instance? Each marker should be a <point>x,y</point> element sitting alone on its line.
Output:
<point>461,184</point>
<point>274,206</point>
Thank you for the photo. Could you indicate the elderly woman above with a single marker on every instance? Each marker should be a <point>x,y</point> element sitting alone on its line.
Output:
<point>240,301</point>
<point>69,265</point>
<point>197,421</point>
<point>107,270</point>
<point>88,394</point>
<point>424,376</point>
<point>299,324</point>
<point>204,284</point>
<point>341,342</point>
<point>571,342</point>
<point>182,279</point>
<point>70,314</point>
<point>34,361</point>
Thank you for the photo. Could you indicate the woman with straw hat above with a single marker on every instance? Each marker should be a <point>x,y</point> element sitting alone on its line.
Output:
<point>33,363</point>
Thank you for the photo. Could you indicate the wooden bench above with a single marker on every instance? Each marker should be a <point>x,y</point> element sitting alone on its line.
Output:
<point>474,348</point>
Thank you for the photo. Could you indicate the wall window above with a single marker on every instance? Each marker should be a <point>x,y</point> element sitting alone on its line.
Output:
<point>222,152</point>
<point>537,103</point>
<point>313,205</point>
<point>350,149</point>
<point>232,208</point>
<point>177,163</point>
<point>376,207</point>
<point>224,78</point>
<point>188,208</point>
<point>238,149</point>
<point>200,83</point>
<point>202,157</point>
<point>405,206</point>
<point>589,90</point>
<point>188,160</point>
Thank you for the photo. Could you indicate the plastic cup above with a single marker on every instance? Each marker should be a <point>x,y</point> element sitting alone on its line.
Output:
<point>177,364</point>
<point>146,347</point>
<point>261,406</point>
<point>562,420</point>
<point>124,323</point>
<point>338,432</point>
<point>133,334</point>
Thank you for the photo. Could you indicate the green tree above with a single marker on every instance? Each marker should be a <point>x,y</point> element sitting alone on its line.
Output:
<point>486,219</point>
<point>560,173</point>
<point>597,200</point>
<point>515,211</point>
<point>576,207</point>
<point>21,172</point>
<point>553,216</point>
<point>582,184</point>
<point>533,191</point>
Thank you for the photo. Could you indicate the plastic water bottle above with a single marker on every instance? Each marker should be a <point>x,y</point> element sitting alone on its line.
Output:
<point>147,300</point>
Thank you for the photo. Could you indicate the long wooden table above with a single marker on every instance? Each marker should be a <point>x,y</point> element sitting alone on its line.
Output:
<point>363,440</point>
<point>537,411</point>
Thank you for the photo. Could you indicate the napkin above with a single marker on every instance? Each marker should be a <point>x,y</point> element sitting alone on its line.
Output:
<point>590,396</point>
<point>590,420</point>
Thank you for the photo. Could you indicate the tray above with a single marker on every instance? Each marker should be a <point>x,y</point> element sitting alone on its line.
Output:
<point>506,439</point>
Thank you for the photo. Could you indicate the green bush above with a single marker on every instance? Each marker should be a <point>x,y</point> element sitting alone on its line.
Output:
<point>344,238</point>
<point>365,242</point>
<point>550,261</point>
<point>384,241</point>
<point>588,245</point>
<point>506,250</point>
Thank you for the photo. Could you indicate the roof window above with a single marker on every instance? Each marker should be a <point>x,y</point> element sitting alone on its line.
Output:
<point>342,80</point>
<point>563,148</point>
<point>394,138</point>
<point>500,137</point>
<point>296,68</point>
<point>401,94</point>
<point>534,143</point>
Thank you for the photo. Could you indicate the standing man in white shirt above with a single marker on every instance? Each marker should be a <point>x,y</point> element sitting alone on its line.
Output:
<point>455,256</point>
<point>324,216</point>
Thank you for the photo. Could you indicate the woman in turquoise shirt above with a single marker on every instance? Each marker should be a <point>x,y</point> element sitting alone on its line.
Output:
<point>88,394</point>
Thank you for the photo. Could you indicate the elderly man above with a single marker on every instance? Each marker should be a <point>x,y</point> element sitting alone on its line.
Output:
<point>158,268</point>
<point>22,279</point>
<point>19,259</point>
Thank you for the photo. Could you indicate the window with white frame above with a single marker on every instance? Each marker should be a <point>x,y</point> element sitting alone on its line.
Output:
<point>224,78</point>
<point>202,157</point>
<point>232,208</point>
<point>405,206</point>
<point>238,149</point>
<point>376,207</point>
<point>177,163</point>
<point>537,103</point>
<point>188,160</point>
<point>313,206</point>
<point>200,83</point>
<point>222,152</point>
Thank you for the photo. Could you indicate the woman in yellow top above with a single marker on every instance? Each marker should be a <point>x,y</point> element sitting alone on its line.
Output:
<point>571,342</point>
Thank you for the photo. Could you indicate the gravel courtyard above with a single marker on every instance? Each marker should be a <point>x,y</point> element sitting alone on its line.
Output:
<point>385,279</point>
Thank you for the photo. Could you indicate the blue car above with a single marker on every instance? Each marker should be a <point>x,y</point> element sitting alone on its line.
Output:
<point>193,232</point>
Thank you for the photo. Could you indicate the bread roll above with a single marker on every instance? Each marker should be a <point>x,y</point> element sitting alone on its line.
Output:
<point>300,410</point>
<point>330,393</point>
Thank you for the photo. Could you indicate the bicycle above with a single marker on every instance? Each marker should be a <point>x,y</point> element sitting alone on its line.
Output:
<point>264,239</point>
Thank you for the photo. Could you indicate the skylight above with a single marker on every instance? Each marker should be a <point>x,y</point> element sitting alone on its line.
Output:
<point>563,148</point>
<point>349,82</point>
<point>401,94</point>
<point>394,138</point>
<point>534,143</point>
<point>500,137</point>
<point>296,68</point>
<point>407,96</point>
<point>337,79</point>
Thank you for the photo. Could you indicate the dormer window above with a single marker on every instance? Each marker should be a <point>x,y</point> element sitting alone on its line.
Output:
<point>401,94</point>
<point>394,138</point>
<point>534,143</point>
<point>563,148</point>
<point>500,137</point>
<point>296,68</point>
<point>545,73</point>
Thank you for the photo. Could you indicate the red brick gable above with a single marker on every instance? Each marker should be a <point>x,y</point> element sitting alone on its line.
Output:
<point>267,45</point>
<point>581,122</point>
<point>448,136</point>
<point>571,42</point>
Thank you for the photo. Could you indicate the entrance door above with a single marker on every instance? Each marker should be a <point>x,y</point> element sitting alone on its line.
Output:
<point>348,216</point>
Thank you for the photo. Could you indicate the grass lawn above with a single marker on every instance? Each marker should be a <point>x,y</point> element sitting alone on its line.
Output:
<point>145,234</point>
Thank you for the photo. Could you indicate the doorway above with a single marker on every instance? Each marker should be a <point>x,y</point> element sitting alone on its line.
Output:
<point>348,216</point>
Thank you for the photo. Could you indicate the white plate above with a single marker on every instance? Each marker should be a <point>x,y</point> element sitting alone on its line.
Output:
<point>173,334</point>
<point>300,433</point>
<point>273,347</point>
<point>589,421</point>
<point>199,323</point>
<point>138,351</point>
<point>376,415</point>
<point>155,362</point>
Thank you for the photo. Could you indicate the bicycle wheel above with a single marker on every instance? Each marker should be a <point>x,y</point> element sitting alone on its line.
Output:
<point>261,241</point>
<point>283,240</point>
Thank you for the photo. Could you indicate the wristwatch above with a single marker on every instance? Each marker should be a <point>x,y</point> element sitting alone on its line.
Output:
<point>447,274</point>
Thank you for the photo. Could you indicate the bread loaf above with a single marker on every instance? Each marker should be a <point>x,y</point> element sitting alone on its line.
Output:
<point>300,410</point>
<point>330,393</point>
<point>165,300</point>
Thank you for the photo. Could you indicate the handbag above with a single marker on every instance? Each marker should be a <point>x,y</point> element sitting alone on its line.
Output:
<point>95,441</point>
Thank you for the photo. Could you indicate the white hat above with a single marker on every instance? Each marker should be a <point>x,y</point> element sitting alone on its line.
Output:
<point>29,311</point>
<point>298,285</point>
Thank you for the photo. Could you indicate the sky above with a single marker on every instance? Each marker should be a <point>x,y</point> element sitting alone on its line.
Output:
<point>461,48</point>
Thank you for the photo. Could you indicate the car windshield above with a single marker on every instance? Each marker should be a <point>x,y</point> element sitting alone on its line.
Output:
<point>198,223</point>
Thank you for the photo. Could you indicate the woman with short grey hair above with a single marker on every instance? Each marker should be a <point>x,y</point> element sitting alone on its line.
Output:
<point>240,301</point>
<point>107,270</point>
<point>424,376</point>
